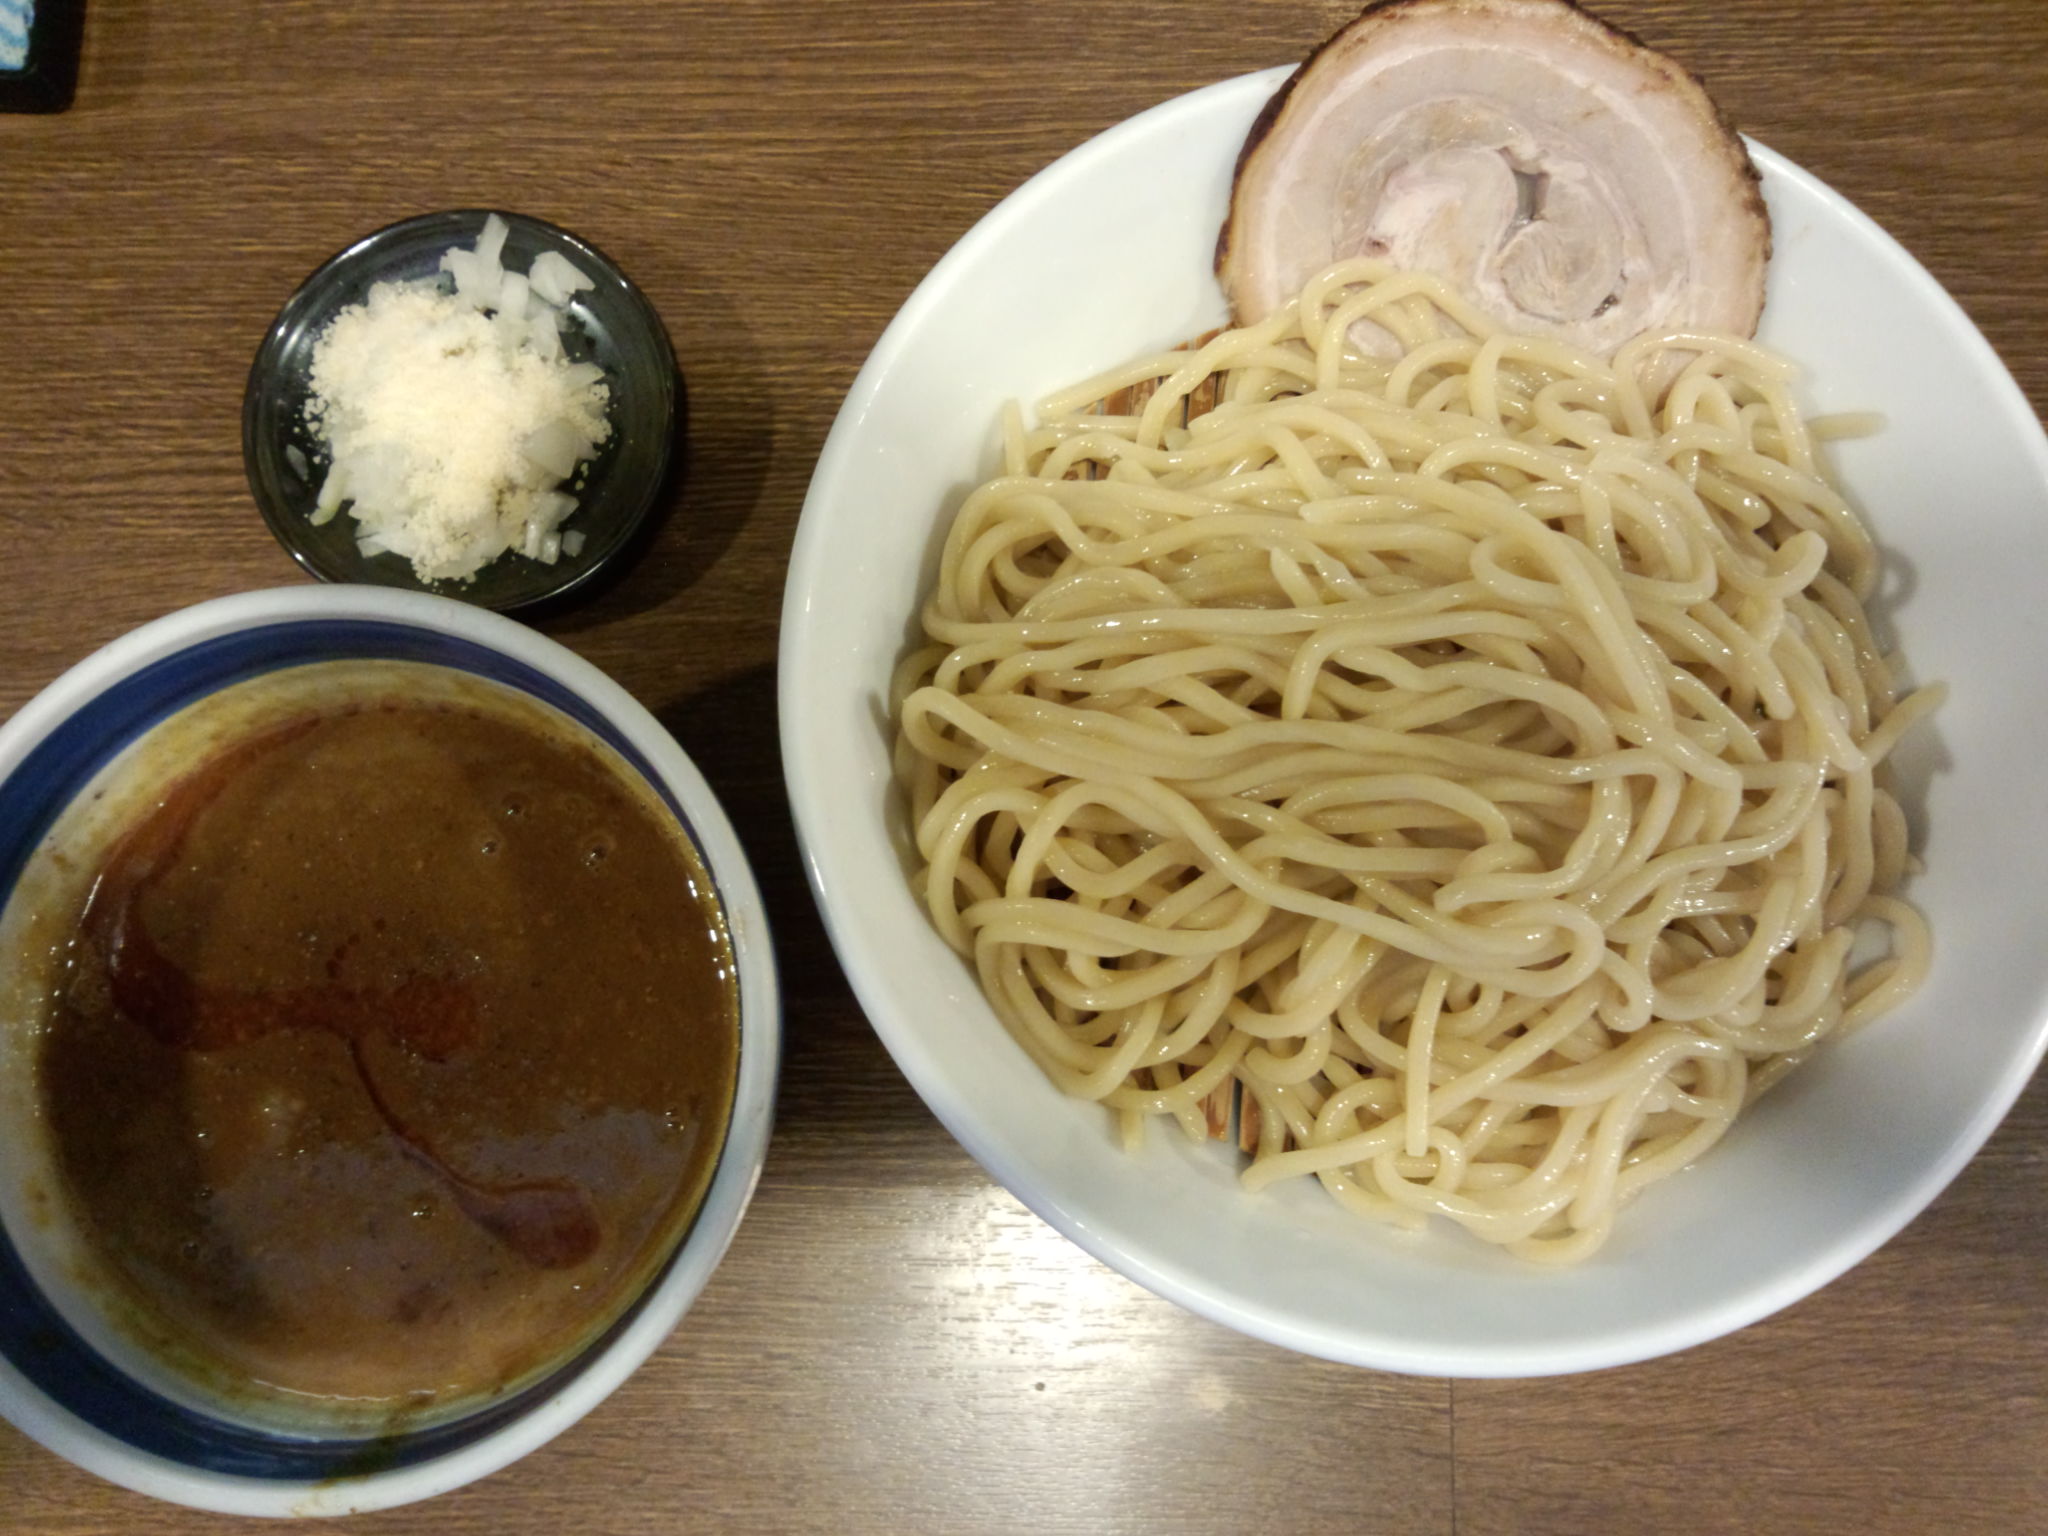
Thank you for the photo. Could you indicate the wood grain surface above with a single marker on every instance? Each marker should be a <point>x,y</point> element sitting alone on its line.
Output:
<point>894,1344</point>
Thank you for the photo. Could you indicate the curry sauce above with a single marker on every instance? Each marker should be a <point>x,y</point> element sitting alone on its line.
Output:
<point>395,1047</point>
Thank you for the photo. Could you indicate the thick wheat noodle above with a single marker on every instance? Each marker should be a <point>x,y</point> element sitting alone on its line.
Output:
<point>1468,762</point>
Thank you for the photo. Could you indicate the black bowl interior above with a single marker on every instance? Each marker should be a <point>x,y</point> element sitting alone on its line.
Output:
<point>611,324</point>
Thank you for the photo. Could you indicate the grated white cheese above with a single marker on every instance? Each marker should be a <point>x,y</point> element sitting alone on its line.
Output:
<point>452,419</point>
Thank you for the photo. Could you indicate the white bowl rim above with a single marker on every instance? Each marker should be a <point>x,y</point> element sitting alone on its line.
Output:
<point>739,1169</point>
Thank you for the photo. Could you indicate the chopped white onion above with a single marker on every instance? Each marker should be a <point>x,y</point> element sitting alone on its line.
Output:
<point>490,245</point>
<point>512,290</point>
<point>556,278</point>
<point>544,335</point>
<point>476,284</point>
<point>557,448</point>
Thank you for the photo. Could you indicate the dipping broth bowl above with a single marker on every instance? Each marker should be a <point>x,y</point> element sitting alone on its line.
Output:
<point>71,1376</point>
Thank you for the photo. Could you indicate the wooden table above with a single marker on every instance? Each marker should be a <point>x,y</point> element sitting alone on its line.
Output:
<point>894,1344</point>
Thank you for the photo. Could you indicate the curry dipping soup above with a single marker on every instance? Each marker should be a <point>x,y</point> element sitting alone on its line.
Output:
<point>372,1034</point>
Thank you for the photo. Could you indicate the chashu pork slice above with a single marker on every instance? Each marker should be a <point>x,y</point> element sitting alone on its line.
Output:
<point>1567,179</point>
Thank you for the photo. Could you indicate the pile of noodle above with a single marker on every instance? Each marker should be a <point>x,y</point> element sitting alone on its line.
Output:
<point>1465,763</point>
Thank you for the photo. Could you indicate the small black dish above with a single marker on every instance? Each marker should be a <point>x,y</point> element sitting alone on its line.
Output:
<point>42,74</point>
<point>610,324</point>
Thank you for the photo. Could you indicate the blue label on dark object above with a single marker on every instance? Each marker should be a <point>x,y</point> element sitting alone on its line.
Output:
<point>15,16</point>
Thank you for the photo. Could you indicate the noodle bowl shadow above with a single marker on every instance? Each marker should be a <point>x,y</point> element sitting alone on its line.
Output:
<point>1104,257</point>
<point>63,1381</point>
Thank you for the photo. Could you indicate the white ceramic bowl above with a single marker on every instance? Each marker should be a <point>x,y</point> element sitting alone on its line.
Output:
<point>1104,256</point>
<point>78,1399</point>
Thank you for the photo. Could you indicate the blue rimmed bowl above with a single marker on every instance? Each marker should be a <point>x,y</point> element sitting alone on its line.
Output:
<point>90,1404</point>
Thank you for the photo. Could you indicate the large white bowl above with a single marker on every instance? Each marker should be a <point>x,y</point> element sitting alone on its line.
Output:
<point>1105,255</point>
